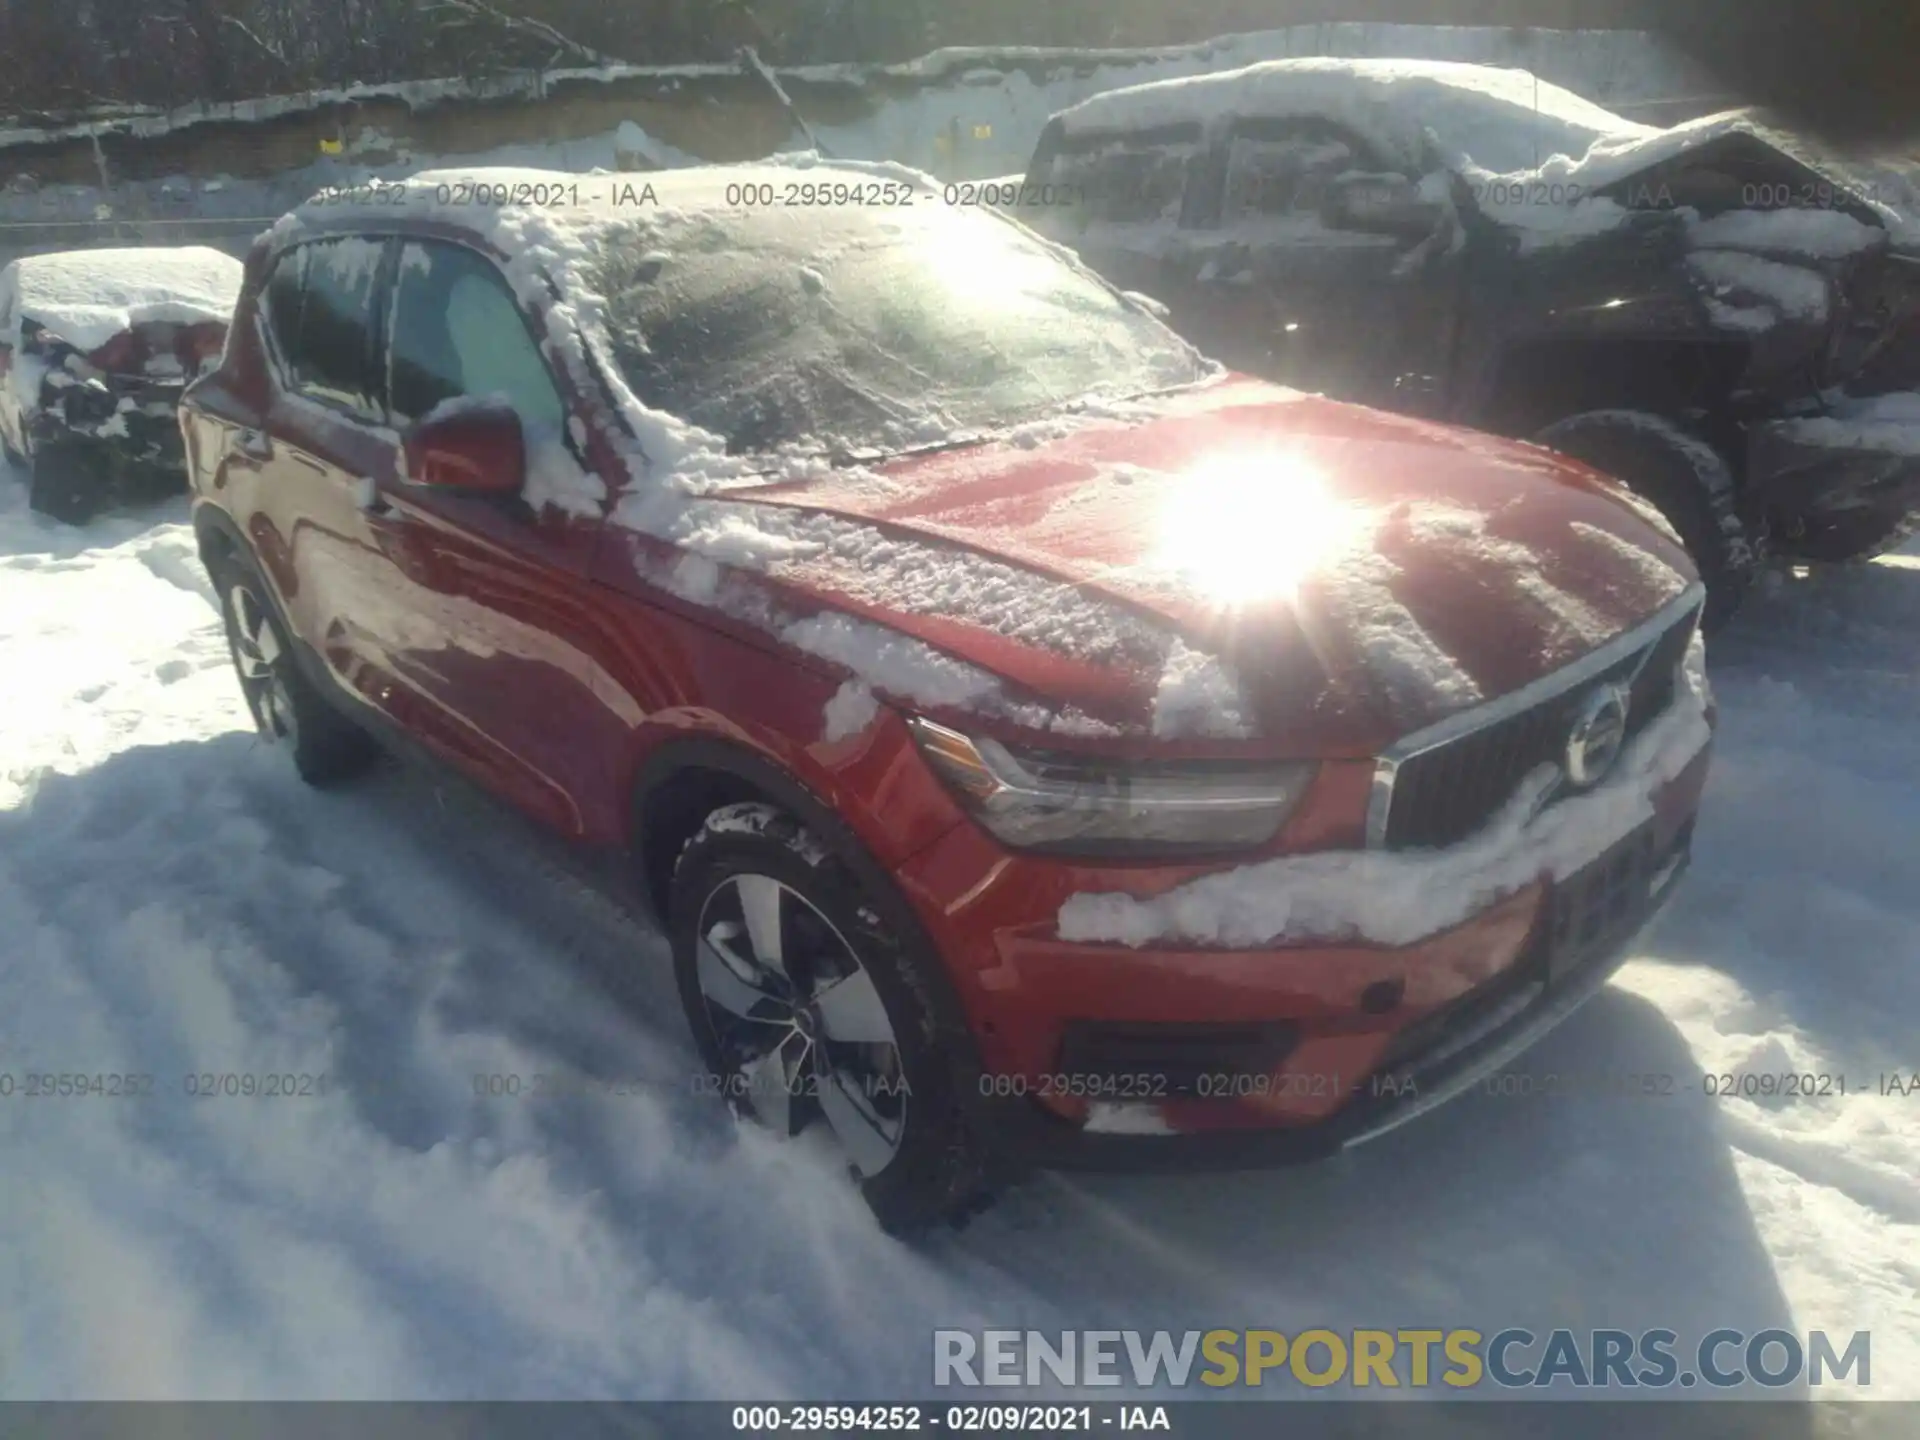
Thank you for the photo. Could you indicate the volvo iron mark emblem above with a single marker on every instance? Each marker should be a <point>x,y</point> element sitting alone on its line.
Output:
<point>1599,732</point>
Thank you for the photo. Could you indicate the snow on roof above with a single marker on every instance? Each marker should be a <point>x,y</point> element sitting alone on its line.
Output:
<point>1496,119</point>
<point>89,296</point>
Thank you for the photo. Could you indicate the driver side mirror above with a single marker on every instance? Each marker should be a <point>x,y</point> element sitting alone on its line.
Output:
<point>468,447</point>
<point>1382,204</point>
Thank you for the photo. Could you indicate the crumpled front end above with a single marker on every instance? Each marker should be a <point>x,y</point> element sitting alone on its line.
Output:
<point>137,420</point>
<point>104,427</point>
<point>1858,462</point>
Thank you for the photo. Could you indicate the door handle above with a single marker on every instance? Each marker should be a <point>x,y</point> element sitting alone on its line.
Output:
<point>253,444</point>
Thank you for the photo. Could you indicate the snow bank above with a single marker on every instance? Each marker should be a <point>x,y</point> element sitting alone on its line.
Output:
<point>89,296</point>
<point>1391,898</point>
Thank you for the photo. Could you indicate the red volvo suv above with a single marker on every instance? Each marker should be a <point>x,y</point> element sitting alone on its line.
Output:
<point>1040,746</point>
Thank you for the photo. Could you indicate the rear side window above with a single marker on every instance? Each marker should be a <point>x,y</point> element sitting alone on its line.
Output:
<point>1286,168</point>
<point>456,331</point>
<point>1128,179</point>
<point>320,307</point>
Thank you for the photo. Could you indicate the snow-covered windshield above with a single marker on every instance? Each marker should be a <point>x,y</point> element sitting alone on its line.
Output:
<point>865,329</point>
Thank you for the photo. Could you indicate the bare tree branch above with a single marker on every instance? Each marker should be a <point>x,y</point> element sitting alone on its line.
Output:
<point>523,25</point>
<point>259,43</point>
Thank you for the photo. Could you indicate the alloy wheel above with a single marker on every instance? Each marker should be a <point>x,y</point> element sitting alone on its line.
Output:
<point>256,656</point>
<point>799,1020</point>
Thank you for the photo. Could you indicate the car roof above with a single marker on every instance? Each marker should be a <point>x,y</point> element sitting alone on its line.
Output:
<point>88,296</point>
<point>157,261</point>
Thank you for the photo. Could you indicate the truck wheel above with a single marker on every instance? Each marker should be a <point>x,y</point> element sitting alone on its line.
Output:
<point>70,483</point>
<point>807,1009</point>
<point>1839,539</point>
<point>1682,477</point>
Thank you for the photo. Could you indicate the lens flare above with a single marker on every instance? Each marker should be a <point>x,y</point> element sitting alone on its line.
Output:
<point>1249,528</point>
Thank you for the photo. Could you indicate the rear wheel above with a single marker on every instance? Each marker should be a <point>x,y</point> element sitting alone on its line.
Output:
<point>806,1009</point>
<point>1682,477</point>
<point>287,710</point>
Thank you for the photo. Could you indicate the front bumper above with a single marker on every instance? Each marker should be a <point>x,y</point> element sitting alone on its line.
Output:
<point>137,422</point>
<point>1864,454</point>
<point>1365,1037</point>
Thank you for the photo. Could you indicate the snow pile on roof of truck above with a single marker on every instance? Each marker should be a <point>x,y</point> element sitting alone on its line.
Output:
<point>1500,120</point>
<point>89,296</point>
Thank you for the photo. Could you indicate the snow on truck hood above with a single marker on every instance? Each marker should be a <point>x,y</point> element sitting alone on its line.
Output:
<point>89,296</point>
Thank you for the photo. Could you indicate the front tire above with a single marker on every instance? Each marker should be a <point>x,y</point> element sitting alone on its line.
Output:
<point>1682,477</point>
<point>287,710</point>
<point>806,1008</point>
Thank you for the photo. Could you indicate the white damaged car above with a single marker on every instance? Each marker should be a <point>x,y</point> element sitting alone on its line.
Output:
<point>95,348</point>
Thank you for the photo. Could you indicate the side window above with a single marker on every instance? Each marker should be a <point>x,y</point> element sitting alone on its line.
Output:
<point>455,330</point>
<point>1286,167</point>
<point>1128,179</point>
<point>320,311</point>
<point>280,301</point>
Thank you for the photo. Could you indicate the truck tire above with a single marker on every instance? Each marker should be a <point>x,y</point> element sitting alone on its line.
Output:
<point>1681,476</point>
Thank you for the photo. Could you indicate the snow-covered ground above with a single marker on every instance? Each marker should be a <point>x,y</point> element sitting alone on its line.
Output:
<point>174,903</point>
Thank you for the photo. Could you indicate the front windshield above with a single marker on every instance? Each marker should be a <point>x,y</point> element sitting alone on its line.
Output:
<point>858,329</point>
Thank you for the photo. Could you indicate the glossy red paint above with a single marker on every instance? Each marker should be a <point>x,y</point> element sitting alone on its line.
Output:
<point>541,654</point>
<point>1435,507</point>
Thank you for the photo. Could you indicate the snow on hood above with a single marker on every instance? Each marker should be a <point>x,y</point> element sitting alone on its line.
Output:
<point>89,296</point>
<point>1238,560</point>
<point>1570,182</point>
<point>1497,119</point>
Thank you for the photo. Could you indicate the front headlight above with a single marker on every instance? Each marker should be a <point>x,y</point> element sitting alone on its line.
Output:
<point>1095,806</point>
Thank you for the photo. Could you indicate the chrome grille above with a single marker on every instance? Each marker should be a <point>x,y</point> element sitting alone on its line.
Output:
<point>1437,787</point>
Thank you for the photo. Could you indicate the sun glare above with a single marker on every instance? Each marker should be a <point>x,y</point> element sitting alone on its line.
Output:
<point>1250,527</point>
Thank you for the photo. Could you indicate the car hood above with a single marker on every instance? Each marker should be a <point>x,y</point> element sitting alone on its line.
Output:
<point>1241,562</point>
